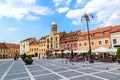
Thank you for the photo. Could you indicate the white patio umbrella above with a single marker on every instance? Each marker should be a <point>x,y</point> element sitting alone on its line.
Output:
<point>56,52</point>
<point>67,51</point>
<point>113,50</point>
<point>102,50</point>
<point>83,51</point>
<point>76,51</point>
<point>59,52</point>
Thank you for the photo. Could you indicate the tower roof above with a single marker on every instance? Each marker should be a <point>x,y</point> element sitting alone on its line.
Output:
<point>53,23</point>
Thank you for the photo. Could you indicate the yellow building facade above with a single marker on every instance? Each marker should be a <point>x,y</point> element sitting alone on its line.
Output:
<point>9,50</point>
<point>50,43</point>
<point>42,47</point>
<point>34,49</point>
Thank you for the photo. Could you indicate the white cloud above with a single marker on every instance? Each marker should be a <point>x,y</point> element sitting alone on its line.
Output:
<point>107,12</point>
<point>74,14</point>
<point>13,29</point>
<point>78,1</point>
<point>40,10</point>
<point>20,8</point>
<point>63,3</point>
<point>57,2</point>
<point>30,17</point>
<point>68,2</point>
<point>63,9</point>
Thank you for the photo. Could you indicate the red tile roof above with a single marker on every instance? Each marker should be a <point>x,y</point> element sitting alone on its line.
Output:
<point>35,43</point>
<point>115,29</point>
<point>96,30</point>
<point>27,39</point>
<point>11,45</point>
<point>3,46</point>
<point>70,37</point>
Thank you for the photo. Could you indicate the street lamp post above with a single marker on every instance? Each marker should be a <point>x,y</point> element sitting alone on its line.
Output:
<point>87,17</point>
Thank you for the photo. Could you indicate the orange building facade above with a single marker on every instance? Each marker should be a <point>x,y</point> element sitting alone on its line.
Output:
<point>9,50</point>
<point>69,41</point>
<point>99,37</point>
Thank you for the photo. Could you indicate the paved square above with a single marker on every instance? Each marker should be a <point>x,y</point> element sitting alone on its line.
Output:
<point>58,69</point>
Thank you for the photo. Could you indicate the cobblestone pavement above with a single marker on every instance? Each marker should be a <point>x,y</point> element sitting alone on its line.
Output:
<point>58,69</point>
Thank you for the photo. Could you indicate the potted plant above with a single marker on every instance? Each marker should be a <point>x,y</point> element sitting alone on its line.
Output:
<point>62,55</point>
<point>23,56</point>
<point>118,54</point>
<point>28,60</point>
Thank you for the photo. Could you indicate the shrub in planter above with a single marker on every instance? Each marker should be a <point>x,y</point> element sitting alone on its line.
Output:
<point>28,60</point>
<point>118,54</point>
<point>23,56</point>
<point>62,55</point>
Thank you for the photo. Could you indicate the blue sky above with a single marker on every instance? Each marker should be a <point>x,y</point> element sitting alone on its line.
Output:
<point>21,19</point>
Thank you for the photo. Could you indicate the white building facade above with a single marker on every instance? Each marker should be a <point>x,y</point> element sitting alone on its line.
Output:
<point>24,45</point>
<point>115,39</point>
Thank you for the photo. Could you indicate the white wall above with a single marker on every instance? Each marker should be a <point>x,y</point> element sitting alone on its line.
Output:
<point>116,36</point>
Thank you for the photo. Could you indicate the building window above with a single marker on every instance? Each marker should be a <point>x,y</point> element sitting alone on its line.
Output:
<point>106,41</point>
<point>71,37</point>
<point>64,39</point>
<point>80,44</point>
<point>51,45</point>
<point>71,45</point>
<point>100,42</point>
<point>92,35</point>
<point>48,46</point>
<point>47,40</point>
<point>37,49</point>
<point>85,44</point>
<point>34,49</point>
<point>61,46</point>
<point>51,39</point>
<point>74,44</point>
<point>56,38</point>
<point>84,36</point>
<point>92,43</point>
<point>67,45</point>
<point>56,46</point>
<point>114,41</point>
<point>101,33</point>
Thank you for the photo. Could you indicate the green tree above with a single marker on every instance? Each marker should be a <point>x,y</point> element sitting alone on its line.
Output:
<point>118,53</point>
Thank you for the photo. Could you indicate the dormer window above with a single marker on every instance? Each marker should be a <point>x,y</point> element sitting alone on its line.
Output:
<point>92,35</point>
<point>101,33</point>
<point>71,37</point>
<point>64,39</point>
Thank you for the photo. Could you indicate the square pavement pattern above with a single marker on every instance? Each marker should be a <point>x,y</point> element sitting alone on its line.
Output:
<point>58,69</point>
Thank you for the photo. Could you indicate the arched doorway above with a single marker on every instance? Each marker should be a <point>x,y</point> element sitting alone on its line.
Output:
<point>0,56</point>
<point>3,55</point>
<point>36,54</point>
<point>39,56</point>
